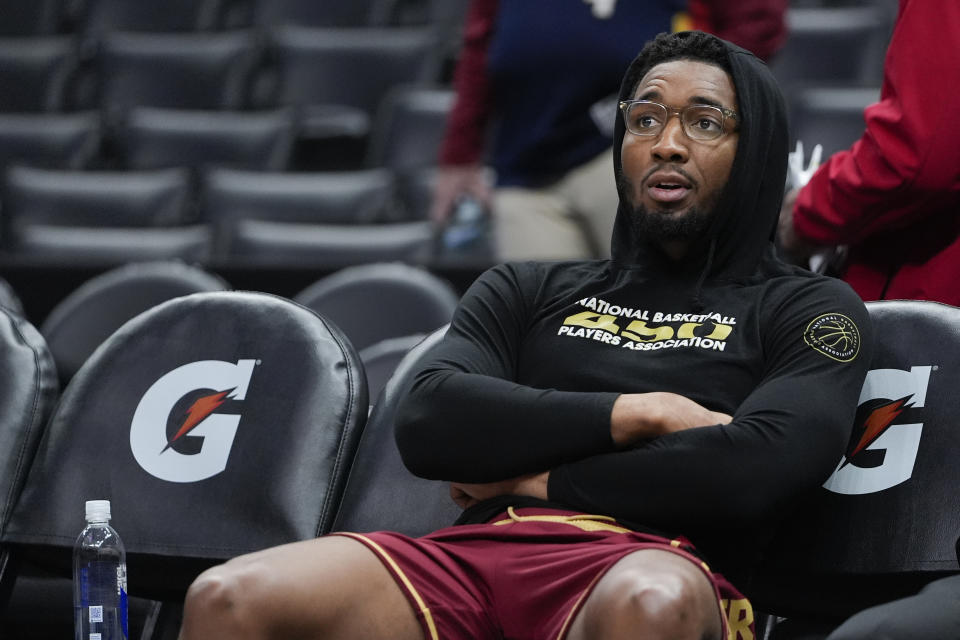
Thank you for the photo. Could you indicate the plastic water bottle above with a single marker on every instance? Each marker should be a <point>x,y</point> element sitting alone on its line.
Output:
<point>99,578</point>
<point>468,229</point>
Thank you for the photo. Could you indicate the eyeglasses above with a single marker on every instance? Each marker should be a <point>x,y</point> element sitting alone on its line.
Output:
<point>700,121</point>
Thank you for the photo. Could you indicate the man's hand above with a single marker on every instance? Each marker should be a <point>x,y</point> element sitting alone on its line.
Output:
<point>533,485</point>
<point>451,182</point>
<point>641,416</point>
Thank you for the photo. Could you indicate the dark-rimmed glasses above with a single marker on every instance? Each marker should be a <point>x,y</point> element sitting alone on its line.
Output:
<point>699,121</point>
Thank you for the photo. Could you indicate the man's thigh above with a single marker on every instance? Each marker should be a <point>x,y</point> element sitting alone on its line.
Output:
<point>532,224</point>
<point>331,587</point>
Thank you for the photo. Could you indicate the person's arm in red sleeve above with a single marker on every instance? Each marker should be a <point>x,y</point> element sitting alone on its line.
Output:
<point>758,26</point>
<point>907,163</point>
<point>461,150</point>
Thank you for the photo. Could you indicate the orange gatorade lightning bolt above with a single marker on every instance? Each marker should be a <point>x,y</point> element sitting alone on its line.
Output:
<point>198,412</point>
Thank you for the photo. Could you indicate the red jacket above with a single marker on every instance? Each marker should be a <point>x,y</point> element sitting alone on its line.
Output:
<point>894,197</point>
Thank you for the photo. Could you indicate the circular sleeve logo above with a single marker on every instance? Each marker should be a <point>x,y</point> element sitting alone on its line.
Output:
<point>834,335</point>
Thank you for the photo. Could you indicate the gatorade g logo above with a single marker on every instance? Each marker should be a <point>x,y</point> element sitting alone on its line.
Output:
<point>881,454</point>
<point>191,443</point>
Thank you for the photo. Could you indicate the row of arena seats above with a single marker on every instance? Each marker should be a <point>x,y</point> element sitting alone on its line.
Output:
<point>295,454</point>
<point>92,17</point>
<point>354,298</point>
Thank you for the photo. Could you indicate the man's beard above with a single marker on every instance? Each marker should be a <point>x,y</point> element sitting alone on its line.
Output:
<point>664,227</point>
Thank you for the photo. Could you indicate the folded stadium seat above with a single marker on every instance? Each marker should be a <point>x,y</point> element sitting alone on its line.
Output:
<point>374,302</point>
<point>82,321</point>
<point>216,424</point>
<point>101,16</point>
<point>99,217</point>
<point>36,73</point>
<point>229,197</point>
<point>176,70</point>
<point>380,493</point>
<point>830,116</point>
<point>36,18</point>
<point>320,13</point>
<point>52,140</point>
<point>833,46</point>
<point>381,359</point>
<point>27,396</point>
<point>154,138</point>
<point>9,299</point>
<point>406,136</point>
<point>887,521</point>
<point>337,76</point>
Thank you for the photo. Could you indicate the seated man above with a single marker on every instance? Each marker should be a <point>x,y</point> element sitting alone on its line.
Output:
<point>588,413</point>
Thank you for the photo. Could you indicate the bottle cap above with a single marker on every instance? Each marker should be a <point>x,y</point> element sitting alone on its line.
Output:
<point>98,510</point>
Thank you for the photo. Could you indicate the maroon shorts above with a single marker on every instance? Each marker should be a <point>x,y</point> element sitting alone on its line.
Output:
<point>524,574</point>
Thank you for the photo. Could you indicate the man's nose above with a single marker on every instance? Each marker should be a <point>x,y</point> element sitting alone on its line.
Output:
<point>671,144</point>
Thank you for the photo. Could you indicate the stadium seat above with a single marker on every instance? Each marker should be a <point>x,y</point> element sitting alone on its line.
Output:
<point>380,493</point>
<point>216,424</point>
<point>51,140</point>
<point>349,197</point>
<point>830,116</point>
<point>381,358</point>
<point>263,243</point>
<point>176,70</point>
<point>886,522</point>
<point>154,138</point>
<point>374,302</point>
<point>318,13</point>
<point>82,321</point>
<point>833,46</point>
<point>352,68</point>
<point>408,128</point>
<point>101,16</point>
<point>37,18</point>
<point>36,73</point>
<point>27,397</point>
<point>68,217</point>
<point>9,299</point>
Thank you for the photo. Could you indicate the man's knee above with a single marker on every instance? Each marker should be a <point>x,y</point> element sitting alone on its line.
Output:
<point>669,599</point>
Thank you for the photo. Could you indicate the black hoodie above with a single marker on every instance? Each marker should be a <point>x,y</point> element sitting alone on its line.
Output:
<point>536,354</point>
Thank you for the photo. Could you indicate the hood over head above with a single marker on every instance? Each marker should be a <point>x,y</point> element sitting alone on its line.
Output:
<point>742,227</point>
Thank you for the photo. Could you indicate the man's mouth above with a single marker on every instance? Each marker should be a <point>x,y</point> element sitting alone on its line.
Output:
<point>668,189</point>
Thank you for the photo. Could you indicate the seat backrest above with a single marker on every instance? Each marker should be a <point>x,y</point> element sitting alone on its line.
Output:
<point>838,46</point>
<point>381,494</point>
<point>101,16</point>
<point>409,127</point>
<point>356,298</point>
<point>324,246</point>
<point>51,140</point>
<point>216,423</point>
<point>888,519</point>
<point>830,117</point>
<point>38,18</point>
<point>382,358</point>
<point>154,138</point>
<point>27,396</point>
<point>316,13</point>
<point>96,198</point>
<point>83,320</point>
<point>40,68</point>
<point>352,67</point>
<point>9,299</point>
<point>334,197</point>
<point>177,70</point>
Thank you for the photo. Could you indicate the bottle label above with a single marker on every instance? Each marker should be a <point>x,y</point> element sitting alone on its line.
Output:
<point>94,636</point>
<point>96,613</point>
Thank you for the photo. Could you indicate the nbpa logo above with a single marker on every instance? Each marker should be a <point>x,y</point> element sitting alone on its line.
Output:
<point>882,454</point>
<point>175,434</point>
